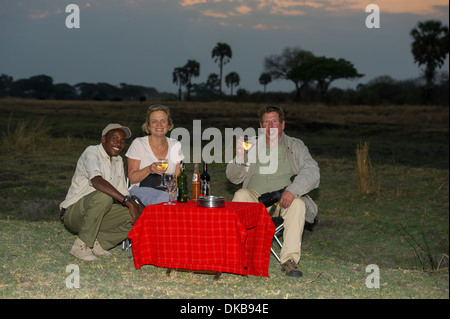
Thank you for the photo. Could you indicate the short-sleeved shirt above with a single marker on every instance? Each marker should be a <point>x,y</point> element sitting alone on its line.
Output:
<point>95,162</point>
<point>140,150</point>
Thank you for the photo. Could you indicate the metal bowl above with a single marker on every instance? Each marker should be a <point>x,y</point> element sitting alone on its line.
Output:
<point>211,201</point>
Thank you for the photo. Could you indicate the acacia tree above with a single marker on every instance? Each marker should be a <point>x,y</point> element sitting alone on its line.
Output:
<point>221,54</point>
<point>430,48</point>
<point>279,66</point>
<point>232,79</point>
<point>323,70</point>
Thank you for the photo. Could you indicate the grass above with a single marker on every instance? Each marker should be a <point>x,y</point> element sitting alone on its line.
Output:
<point>36,268</point>
<point>366,176</point>
<point>402,227</point>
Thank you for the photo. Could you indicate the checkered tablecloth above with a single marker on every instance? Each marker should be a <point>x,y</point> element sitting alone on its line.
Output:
<point>235,239</point>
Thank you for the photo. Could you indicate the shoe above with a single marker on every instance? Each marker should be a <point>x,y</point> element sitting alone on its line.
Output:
<point>291,269</point>
<point>99,251</point>
<point>81,251</point>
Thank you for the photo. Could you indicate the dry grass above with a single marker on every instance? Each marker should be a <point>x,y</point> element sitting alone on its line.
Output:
<point>367,181</point>
<point>24,137</point>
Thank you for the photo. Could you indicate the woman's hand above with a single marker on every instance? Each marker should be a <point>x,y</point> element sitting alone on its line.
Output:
<point>156,168</point>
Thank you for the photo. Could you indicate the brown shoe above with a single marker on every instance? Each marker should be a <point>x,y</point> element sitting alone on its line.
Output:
<point>82,251</point>
<point>99,251</point>
<point>291,269</point>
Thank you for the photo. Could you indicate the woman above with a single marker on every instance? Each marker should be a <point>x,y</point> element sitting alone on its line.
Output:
<point>144,172</point>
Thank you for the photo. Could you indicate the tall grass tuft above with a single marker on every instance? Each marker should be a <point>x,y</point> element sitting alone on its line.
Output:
<point>24,137</point>
<point>422,251</point>
<point>367,181</point>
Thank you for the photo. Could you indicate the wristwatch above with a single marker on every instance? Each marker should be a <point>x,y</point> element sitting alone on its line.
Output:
<point>125,200</point>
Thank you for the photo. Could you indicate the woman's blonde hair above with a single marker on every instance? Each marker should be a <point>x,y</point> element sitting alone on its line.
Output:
<point>154,108</point>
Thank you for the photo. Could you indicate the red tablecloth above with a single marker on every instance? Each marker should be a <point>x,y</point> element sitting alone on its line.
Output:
<point>235,239</point>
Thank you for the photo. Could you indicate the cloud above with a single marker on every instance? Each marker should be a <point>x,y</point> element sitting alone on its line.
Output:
<point>189,3</point>
<point>263,27</point>
<point>38,14</point>
<point>37,11</point>
<point>213,13</point>
<point>286,12</point>
<point>243,9</point>
<point>297,7</point>
<point>419,7</point>
<point>296,14</point>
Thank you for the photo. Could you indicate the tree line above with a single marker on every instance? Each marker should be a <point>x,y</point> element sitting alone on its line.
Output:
<point>313,75</point>
<point>299,66</point>
<point>310,75</point>
<point>42,87</point>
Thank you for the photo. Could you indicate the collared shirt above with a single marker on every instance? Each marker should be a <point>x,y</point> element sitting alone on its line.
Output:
<point>95,162</point>
<point>264,183</point>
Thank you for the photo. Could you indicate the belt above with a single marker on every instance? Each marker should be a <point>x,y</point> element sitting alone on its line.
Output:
<point>61,213</point>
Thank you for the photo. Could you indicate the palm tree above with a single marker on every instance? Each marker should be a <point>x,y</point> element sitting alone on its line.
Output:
<point>213,81</point>
<point>231,80</point>
<point>222,55</point>
<point>430,47</point>
<point>192,69</point>
<point>265,79</point>
<point>179,77</point>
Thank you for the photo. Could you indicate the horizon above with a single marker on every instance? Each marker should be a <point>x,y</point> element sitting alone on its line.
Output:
<point>141,43</point>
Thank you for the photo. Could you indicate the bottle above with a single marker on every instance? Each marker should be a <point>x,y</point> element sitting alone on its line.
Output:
<point>195,183</point>
<point>205,185</point>
<point>182,185</point>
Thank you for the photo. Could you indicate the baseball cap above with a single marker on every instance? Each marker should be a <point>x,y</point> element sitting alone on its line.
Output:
<point>114,126</point>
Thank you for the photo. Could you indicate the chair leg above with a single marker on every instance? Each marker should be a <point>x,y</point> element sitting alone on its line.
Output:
<point>277,231</point>
<point>275,254</point>
<point>278,241</point>
<point>126,245</point>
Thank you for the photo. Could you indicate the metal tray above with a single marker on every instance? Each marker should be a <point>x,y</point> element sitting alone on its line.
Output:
<point>211,201</point>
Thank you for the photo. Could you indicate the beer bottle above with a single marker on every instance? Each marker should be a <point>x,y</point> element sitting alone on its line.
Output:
<point>182,185</point>
<point>205,186</point>
<point>195,183</point>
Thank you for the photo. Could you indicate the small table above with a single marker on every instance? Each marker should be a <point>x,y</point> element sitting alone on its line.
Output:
<point>236,238</point>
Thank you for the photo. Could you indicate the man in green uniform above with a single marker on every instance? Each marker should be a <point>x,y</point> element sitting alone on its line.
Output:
<point>97,207</point>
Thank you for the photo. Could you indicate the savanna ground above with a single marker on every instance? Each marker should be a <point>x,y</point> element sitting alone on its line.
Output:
<point>401,225</point>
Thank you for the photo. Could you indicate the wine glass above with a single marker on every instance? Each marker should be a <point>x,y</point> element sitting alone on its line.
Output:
<point>163,164</point>
<point>247,145</point>
<point>171,182</point>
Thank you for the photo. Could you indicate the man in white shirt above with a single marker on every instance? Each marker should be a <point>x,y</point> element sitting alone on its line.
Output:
<point>89,209</point>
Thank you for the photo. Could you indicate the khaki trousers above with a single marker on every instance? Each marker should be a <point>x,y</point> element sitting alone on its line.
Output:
<point>293,222</point>
<point>95,216</point>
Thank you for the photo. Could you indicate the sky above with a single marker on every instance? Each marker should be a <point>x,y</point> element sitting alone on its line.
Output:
<point>141,42</point>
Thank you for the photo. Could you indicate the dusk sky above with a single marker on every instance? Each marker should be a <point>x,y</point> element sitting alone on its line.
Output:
<point>141,41</point>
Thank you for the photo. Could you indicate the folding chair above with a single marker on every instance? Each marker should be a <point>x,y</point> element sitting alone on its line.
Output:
<point>278,221</point>
<point>126,244</point>
<point>278,230</point>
